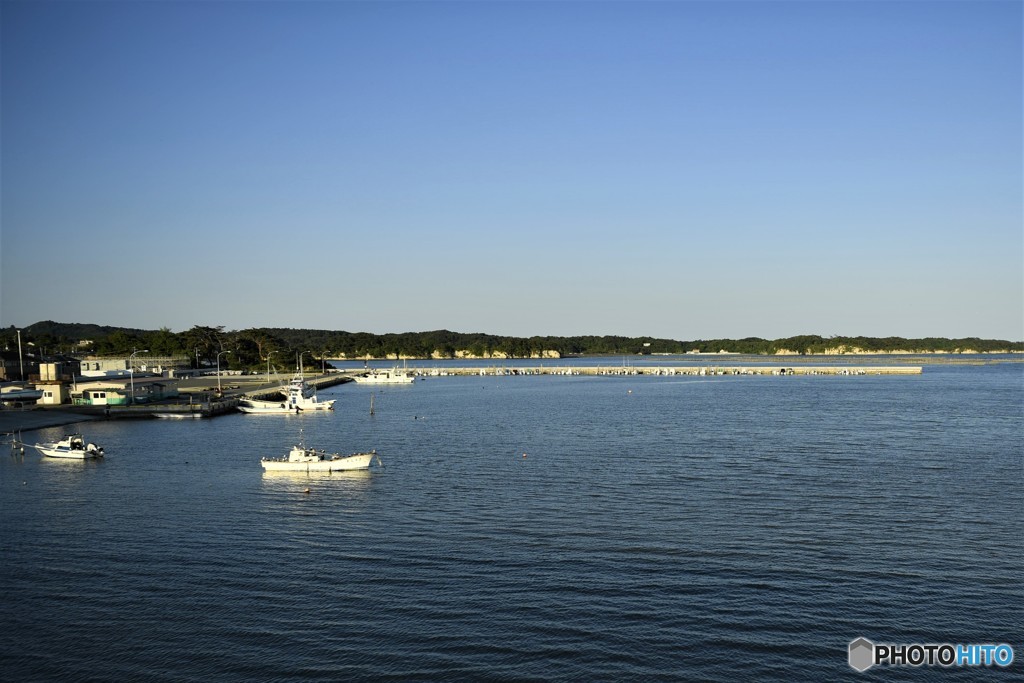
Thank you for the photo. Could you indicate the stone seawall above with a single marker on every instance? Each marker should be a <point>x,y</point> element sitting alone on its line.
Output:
<point>672,371</point>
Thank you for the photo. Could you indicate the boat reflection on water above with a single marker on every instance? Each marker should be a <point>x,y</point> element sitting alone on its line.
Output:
<point>292,483</point>
<point>303,496</point>
<point>72,463</point>
<point>287,476</point>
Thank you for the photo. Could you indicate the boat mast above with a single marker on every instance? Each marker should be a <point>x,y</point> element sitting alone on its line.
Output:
<point>21,362</point>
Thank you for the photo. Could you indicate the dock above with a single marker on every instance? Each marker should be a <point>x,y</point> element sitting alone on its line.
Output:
<point>199,397</point>
<point>238,389</point>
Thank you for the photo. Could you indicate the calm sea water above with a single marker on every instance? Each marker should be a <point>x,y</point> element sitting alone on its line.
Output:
<point>531,528</point>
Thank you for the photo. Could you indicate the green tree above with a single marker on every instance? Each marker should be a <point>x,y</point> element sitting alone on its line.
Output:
<point>163,342</point>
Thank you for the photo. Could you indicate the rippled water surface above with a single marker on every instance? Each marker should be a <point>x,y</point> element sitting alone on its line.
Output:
<point>544,528</point>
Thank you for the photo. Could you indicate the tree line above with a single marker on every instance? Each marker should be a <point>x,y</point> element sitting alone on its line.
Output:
<point>254,348</point>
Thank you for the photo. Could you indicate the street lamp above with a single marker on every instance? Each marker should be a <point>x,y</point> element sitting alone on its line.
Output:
<point>301,372</point>
<point>218,369</point>
<point>269,354</point>
<point>131,372</point>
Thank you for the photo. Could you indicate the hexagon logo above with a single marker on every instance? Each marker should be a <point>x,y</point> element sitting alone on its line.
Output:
<point>862,654</point>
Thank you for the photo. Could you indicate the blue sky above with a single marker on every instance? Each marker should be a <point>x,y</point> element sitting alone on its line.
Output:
<point>675,169</point>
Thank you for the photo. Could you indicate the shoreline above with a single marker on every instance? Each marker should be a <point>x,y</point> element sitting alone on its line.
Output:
<point>16,421</point>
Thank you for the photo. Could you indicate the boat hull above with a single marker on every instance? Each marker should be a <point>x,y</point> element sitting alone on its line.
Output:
<point>281,407</point>
<point>253,407</point>
<point>296,397</point>
<point>358,461</point>
<point>21,395</point>
<point>385,379</point>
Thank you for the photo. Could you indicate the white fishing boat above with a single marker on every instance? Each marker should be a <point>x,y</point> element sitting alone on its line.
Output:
<point>71,446</point>
<point>298,396</point>
<point>302,459</point>
<point>392,376</point>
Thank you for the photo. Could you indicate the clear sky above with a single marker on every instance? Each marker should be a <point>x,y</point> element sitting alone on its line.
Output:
<point>675,169</point>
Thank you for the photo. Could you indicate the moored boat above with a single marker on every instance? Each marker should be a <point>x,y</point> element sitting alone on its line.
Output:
<point>302,459</point>
<point>71,446</point>
<point>393,376</point>
<point>299,396</point>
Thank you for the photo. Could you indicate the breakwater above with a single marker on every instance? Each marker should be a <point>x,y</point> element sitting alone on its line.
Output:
<point>778,369</point>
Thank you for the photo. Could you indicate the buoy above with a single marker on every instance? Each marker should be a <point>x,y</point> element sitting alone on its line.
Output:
<point>306,491</point>
<point>524,455</point>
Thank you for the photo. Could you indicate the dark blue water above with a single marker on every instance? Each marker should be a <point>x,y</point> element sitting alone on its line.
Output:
<point>531,528</point>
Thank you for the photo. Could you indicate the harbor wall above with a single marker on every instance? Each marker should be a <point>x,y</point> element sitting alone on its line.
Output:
<point>702,370</point>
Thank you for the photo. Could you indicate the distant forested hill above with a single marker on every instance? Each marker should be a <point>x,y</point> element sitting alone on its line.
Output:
<point>252,348</point>
<point>75,331</point>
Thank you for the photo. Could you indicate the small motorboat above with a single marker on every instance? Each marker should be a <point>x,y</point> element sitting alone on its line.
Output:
<point>71,446</point>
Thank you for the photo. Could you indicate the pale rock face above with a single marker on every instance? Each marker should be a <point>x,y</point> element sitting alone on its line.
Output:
<point>843,349</point>
<point>856,350</point>
<point>468,355</point>
<point>463,353</point>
